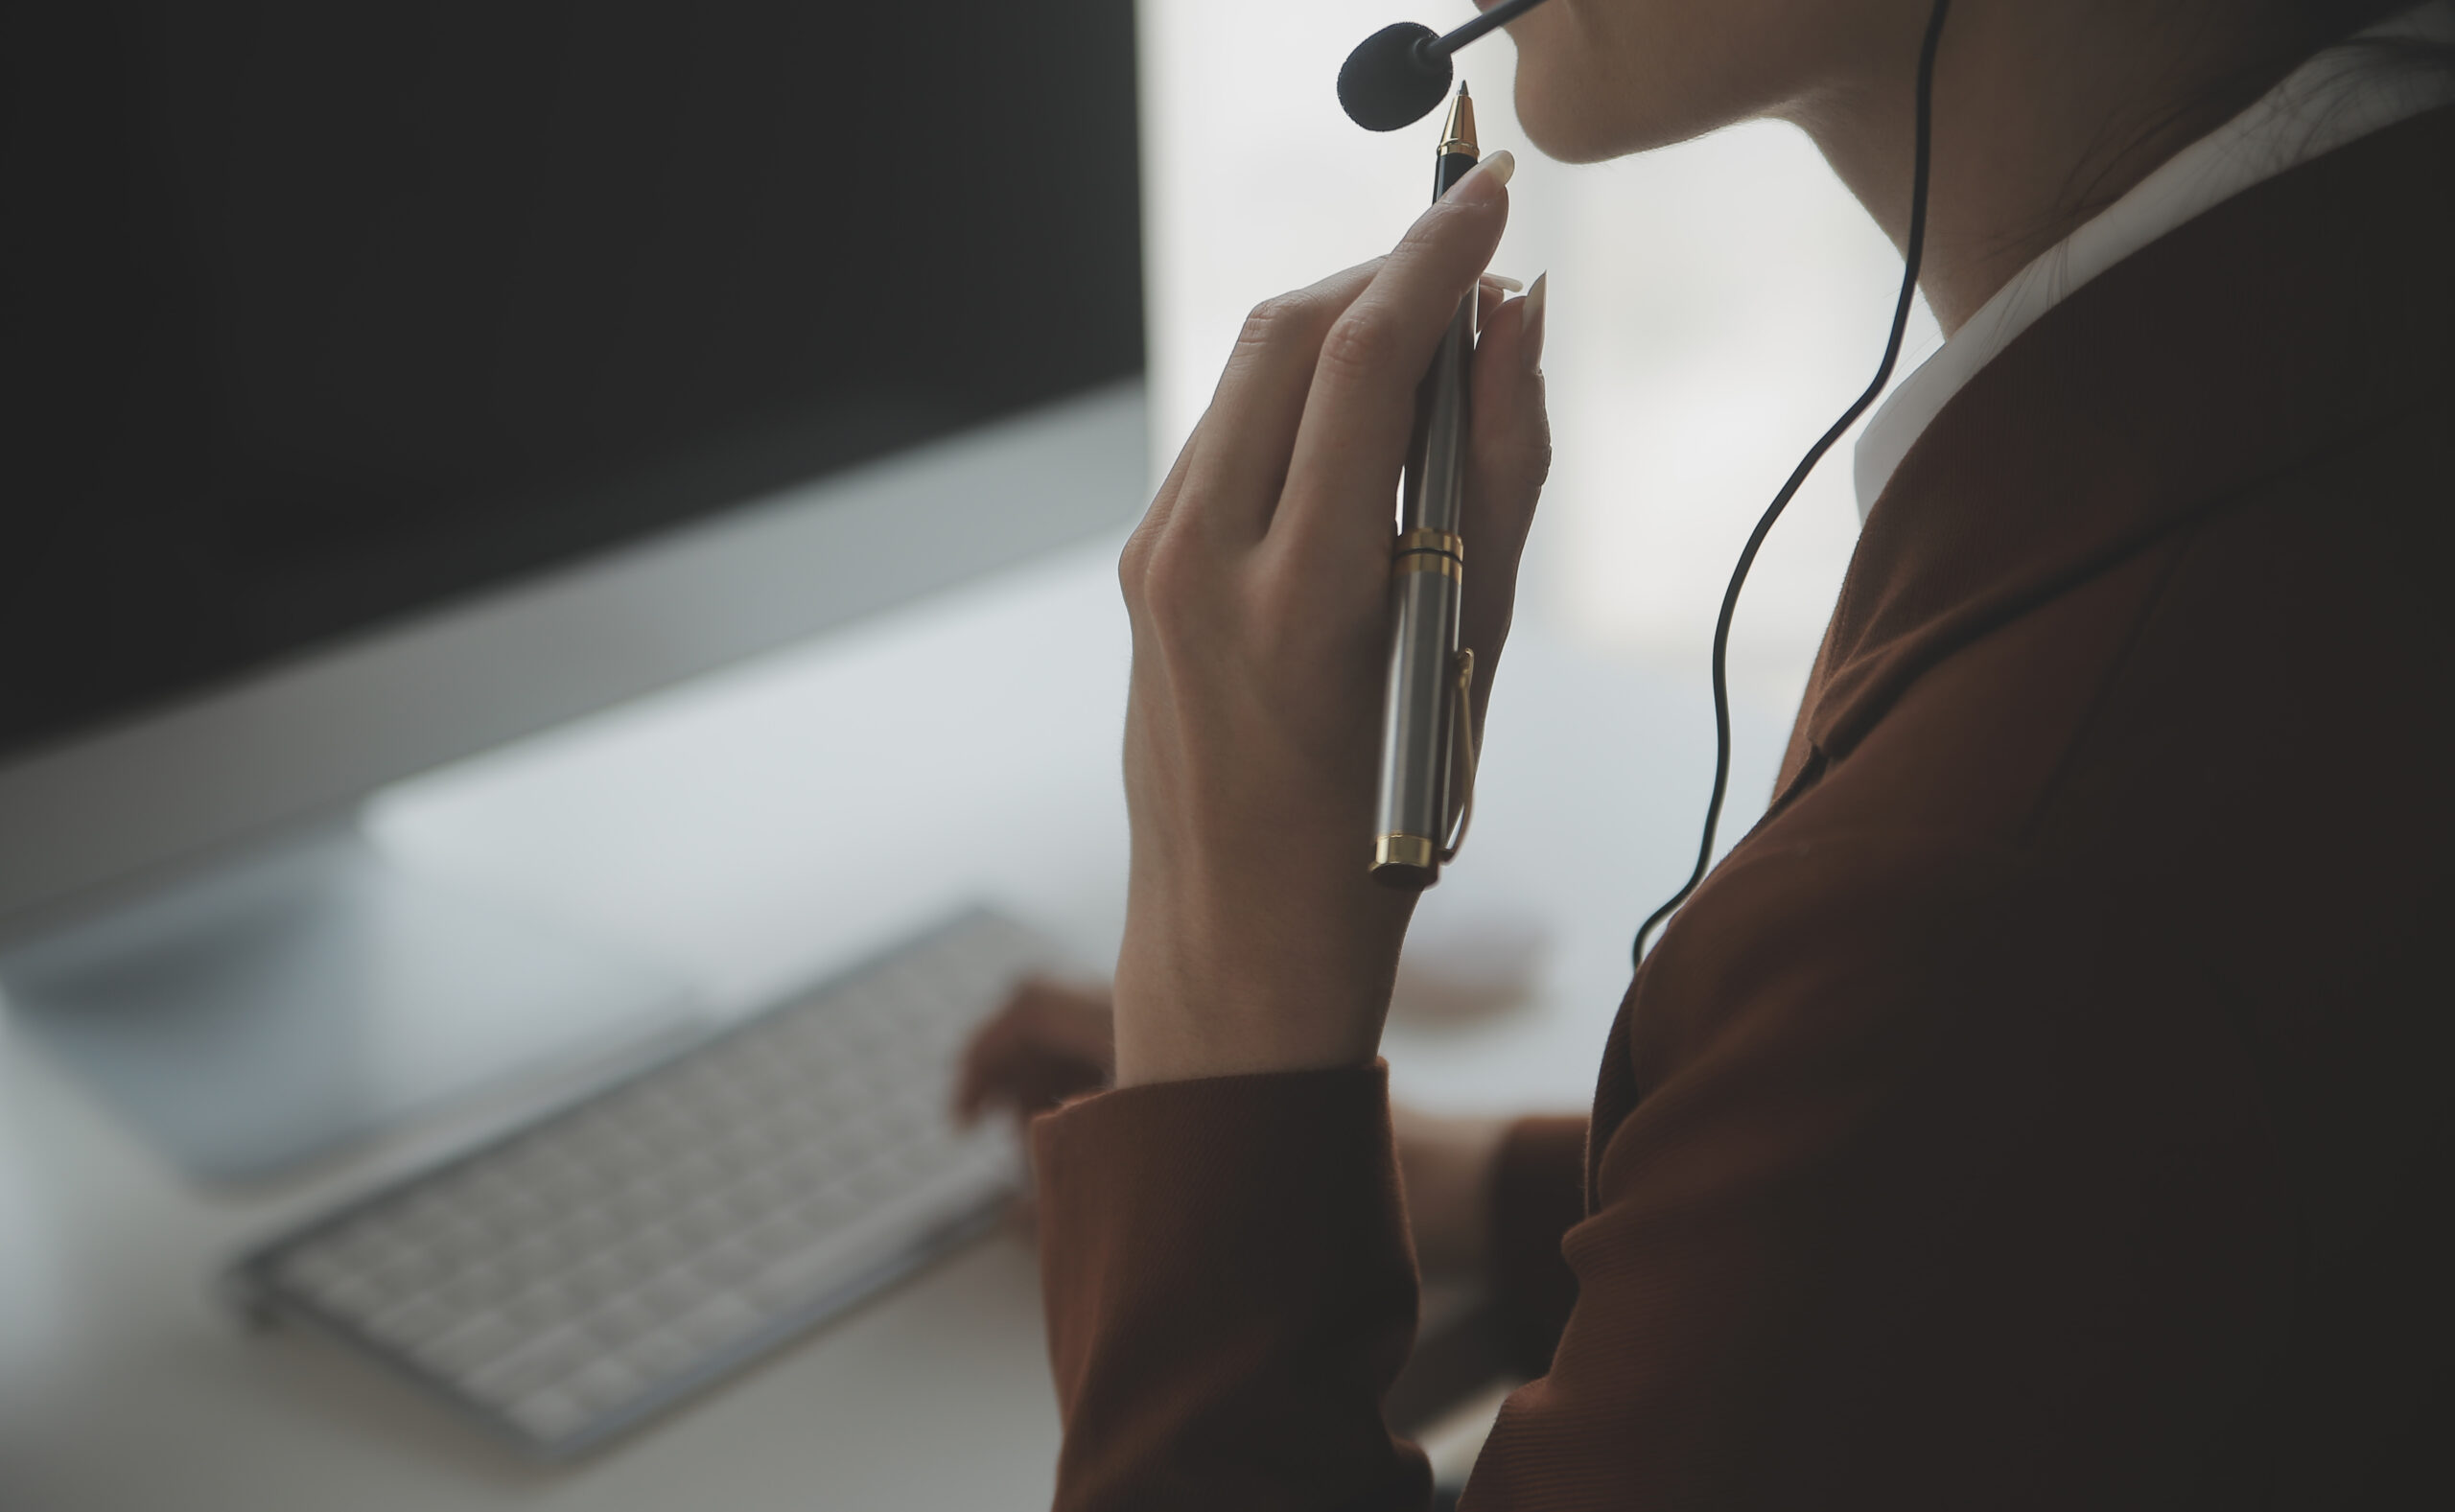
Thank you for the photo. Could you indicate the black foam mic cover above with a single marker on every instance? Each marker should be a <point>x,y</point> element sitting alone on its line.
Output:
<point>1390,79</point>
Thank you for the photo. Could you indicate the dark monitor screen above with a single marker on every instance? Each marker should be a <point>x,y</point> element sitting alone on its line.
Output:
<point>312,315</point>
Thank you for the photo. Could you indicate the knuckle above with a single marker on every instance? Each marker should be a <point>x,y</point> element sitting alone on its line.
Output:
<point>1358,344</point>
<point>1134,566</point>
<point>1171,585</point>
<point>1138,566</point>
<point>1529,459</point>
<point>1539,449</point>
<point>1274,319</point>
<point>1426,228</point>
<point>1516,457</point>
<point>1447,217</point>
<point>1290,615</point>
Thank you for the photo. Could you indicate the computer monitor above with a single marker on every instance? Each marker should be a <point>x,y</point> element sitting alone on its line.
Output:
<point>389,380</point>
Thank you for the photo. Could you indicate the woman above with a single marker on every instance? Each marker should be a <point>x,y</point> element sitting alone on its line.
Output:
<point>2045,1104</point>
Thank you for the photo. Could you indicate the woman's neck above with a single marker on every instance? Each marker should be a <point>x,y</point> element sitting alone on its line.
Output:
<point>2044,114</point>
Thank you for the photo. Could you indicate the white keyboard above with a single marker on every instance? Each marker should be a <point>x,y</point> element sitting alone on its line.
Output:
<point>581,1275</point>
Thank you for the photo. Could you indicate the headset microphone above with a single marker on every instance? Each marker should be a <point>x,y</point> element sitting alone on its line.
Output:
<point>1396,76</point>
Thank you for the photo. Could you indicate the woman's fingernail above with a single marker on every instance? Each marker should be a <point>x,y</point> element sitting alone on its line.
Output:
<point>1530,340</point>
<point>1488,177</point>
<point>1504,281</point>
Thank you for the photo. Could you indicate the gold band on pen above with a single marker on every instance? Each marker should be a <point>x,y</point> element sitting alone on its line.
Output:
<point>1413,851</point>
<point>1426,549</point>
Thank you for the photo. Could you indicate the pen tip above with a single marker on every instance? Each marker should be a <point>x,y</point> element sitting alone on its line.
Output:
<point>1458,135</point>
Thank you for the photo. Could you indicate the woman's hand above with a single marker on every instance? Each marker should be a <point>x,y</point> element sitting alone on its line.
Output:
<point>1051,1042</point>
<point>1048,1043</point>
<point>1258,590</point>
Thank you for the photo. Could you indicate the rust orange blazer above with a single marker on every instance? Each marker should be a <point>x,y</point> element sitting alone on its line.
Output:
<point>2048,1104</point>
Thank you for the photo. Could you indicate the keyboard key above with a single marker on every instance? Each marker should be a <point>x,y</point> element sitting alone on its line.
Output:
<point>661,1353</point>
<point>719,1321</point>
<point>547,1305</point>
<point>469,1344</point>
<point>724,1264</point>
<point>671,1293</point>
<point>782,1234</point>
<point>412,1322</point>
<point>542,1359</point>
<point>617,1323</point>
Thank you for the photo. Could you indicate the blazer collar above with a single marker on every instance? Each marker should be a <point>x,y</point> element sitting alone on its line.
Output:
<point>2255,338</point>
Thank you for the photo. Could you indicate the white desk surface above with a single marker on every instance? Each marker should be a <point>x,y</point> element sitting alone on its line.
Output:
<point>756,827</point>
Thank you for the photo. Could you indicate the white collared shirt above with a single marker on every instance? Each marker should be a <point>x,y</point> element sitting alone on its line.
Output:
<point>2339,96</point>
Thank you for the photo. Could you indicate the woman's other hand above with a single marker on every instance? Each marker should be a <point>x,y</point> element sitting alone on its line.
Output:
<point>1258,589</point>
<point>1052,1041</point>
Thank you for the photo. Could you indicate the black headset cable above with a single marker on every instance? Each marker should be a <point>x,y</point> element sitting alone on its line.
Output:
<point>1807,464</point>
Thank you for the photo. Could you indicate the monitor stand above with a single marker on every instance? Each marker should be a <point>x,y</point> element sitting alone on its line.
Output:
<point>313,994</point>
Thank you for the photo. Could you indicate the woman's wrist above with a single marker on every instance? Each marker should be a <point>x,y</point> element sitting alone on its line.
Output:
<point>1181,1051</point>
<point>1181,1015</point>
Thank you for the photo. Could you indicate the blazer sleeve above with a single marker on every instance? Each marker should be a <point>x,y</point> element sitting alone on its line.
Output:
<point>1230,1292</point>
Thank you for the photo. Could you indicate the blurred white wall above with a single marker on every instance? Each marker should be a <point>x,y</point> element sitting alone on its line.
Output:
<point>1713,306</point>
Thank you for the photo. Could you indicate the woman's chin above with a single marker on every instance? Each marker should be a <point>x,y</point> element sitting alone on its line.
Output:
<point>1557,133</point>
<point>1572,116</point>
<point>1555,127</point>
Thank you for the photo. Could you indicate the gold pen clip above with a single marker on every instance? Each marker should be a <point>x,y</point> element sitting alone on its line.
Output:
<point>1465,752</point>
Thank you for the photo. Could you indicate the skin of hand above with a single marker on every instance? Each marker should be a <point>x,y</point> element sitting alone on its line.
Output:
<point>1052,1041</point>
<point>1257,588</point>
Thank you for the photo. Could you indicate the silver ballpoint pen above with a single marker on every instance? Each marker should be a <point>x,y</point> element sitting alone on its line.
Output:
<point>1427,741</point>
